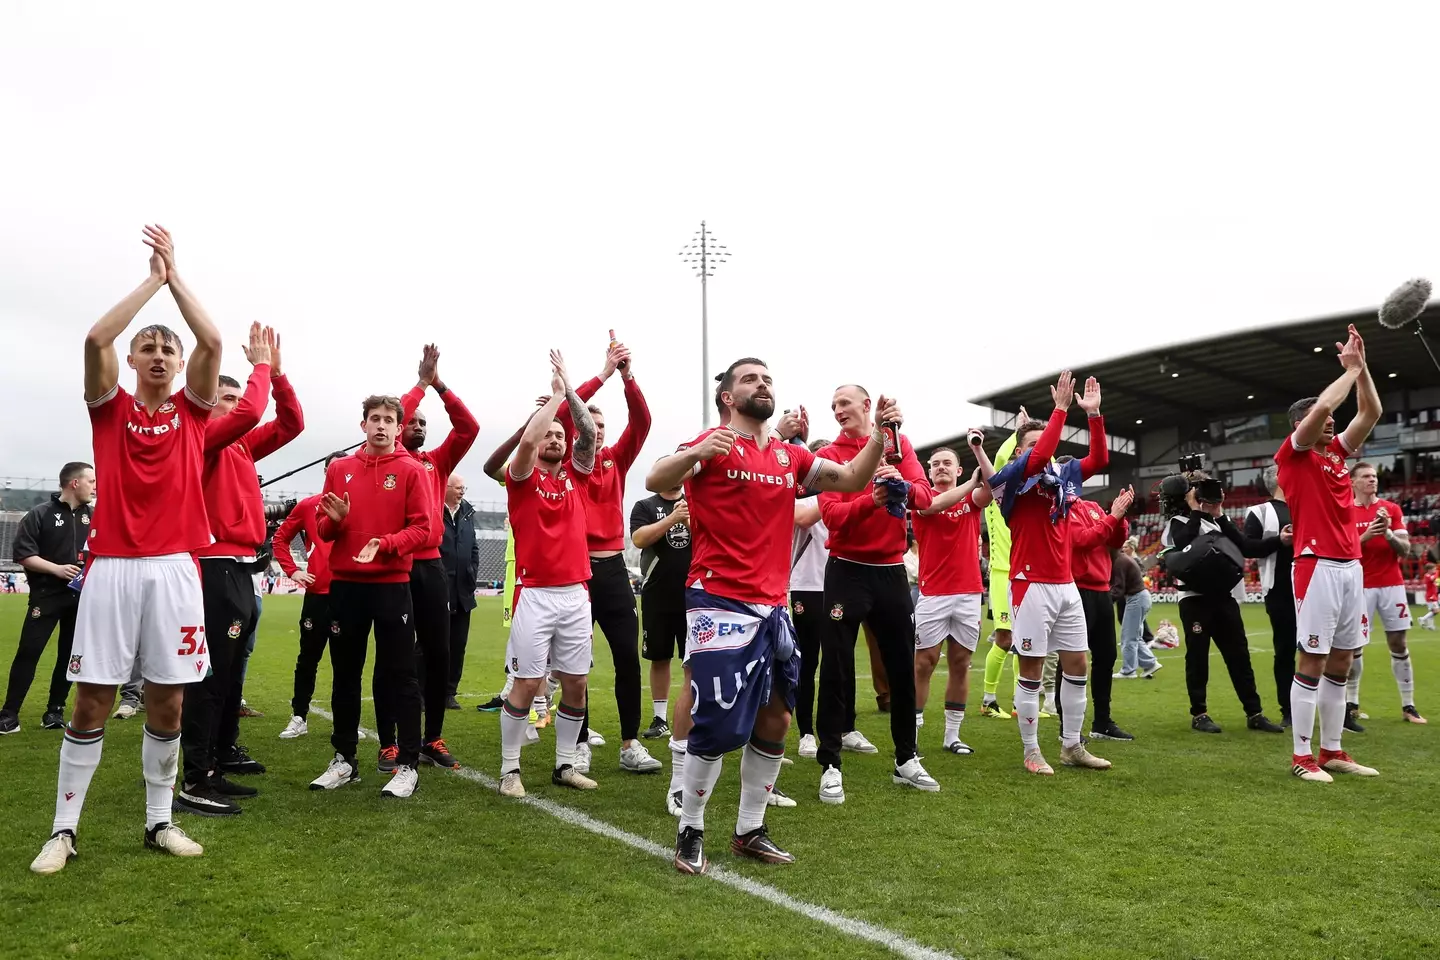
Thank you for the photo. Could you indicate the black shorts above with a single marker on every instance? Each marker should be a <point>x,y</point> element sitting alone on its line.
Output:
<point>662,632</point>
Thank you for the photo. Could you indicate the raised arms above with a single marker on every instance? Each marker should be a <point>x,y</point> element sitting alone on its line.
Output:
<point>202,373</point>
<point>102,363</point>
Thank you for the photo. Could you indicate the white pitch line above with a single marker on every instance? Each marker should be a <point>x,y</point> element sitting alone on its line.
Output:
<point>859,929</point>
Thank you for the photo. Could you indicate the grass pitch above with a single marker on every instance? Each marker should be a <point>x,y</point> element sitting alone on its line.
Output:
<point>1192,846</point>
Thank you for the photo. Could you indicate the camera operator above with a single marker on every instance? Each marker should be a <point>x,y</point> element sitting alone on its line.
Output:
<point>1192,505</point>
<point>1269,524</point>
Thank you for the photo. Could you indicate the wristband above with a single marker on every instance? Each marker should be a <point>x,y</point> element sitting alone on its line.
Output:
<point>440,388</point>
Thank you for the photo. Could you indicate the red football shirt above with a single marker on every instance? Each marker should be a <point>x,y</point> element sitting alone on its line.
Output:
<point>1432,588</point>
<point>547,515</point>
<point>950,549</point>
<point>149,499</point>
<point>1377,559</point>
<point>1317,488</point>
<point>742,514</point>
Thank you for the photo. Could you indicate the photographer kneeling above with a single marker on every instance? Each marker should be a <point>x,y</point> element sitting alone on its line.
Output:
<point>1205,553</point>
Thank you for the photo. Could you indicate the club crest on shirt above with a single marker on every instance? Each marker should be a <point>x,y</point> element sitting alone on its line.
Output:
<point>428,465</point>
<point>34,613</point>
<point>234,630</point>
<point>782,456</point>
<point>75,663</point>
<point>1314,641</point>
<point>166,407</point>
<point>389,483</point>
<point>799,608</point>
<point>607,464</point>
<point>837,612</point>
<point>85,519</point>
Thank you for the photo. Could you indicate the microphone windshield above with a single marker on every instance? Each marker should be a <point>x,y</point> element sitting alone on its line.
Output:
<point>1405,304</point>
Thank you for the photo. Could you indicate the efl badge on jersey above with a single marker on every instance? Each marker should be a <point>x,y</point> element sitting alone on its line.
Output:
<point>234,631</point>
<point>782,457</point>
<point>799,609</point>
<point>166,407</point>
<point>1026,644</point>
<point>389,483</point>
<point>1312,643</point>
<point>75,663</point>
<point>34,613</point>
<point>837,612</point>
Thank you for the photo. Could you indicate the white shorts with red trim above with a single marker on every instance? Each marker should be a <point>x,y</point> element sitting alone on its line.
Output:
<point>149,608</point>
<point>956,616</point>
<point>551,626</point>
<point>1329,605</point>
<point>1046,617</point>
<point>1389,607</point>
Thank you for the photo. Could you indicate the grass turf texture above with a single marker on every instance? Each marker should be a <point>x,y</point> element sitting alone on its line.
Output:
<point>1192,846</point>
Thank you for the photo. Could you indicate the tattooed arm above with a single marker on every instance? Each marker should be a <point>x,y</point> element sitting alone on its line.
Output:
<point>583,455</point>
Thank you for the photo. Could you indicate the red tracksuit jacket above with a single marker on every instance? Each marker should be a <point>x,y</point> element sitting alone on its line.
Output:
<point>859,530</point>
<point>303,519</point>
<point>441,462</point>
<point>389,499</point>
<point>1094,532</point>
<point>232,445</point>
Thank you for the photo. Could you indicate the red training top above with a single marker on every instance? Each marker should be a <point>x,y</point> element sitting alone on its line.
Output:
<point>232,445</point>
<point>304,519</point>
<point>1432,588</point>
<point>547,516</point>
<point>1094,532</point>
<point>950,549</point>
<point>605,493</point>
<point>441,462</point>
<point>150,502</point>
<point>389,499</point>
<point>1379,562</point>
<point>859,530</point>
<point>1317,487</point>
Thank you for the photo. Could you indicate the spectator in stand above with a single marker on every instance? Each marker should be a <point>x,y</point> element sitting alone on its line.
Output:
<point>1268,524</point>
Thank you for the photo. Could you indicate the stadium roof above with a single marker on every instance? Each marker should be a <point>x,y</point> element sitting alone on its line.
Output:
<point>1266,367</point>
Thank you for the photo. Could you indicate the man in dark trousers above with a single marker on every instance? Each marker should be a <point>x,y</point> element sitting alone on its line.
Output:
<point>234,441</point>
<point>660,527</point>
<point>460,553</point>
<point>1269,524</point>
<point>429,587</point>
<point>50,545</point>
<point>865,581</point>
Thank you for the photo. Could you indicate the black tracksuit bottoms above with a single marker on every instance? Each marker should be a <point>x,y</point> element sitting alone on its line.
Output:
<point>385,607</point>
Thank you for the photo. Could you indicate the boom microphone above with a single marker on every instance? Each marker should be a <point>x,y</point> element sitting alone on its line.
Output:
<point>1405,304</point>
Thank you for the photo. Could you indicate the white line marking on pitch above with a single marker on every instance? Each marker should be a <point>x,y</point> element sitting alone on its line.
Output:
<point>859,929</point>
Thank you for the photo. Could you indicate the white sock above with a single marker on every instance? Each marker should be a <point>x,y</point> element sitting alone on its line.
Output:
<point>513,721</point>
<point>759,767</point>
<point>509,685</point>
<point>541,706</point>
<point>1331,700</point>
<point>954,716</point>
<point>1352,682</point>
<point>700,776</point>
<point>1072,709</point>
<point>1027,712</point>
<point>919,717</point>
<point>660,707</point>
<point>159,758</point>
<point>1304,695</point>
<point>1404,677</point>
<point>568,721</point>
<point>79,756</point>
<point>677,765</point>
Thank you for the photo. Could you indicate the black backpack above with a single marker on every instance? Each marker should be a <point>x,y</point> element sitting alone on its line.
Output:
<point>1210,564</point>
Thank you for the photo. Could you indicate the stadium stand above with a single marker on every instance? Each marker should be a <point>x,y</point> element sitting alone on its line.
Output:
<point>1226,398</point>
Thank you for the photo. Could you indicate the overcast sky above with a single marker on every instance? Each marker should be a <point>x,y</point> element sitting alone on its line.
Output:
<point>934,200</point>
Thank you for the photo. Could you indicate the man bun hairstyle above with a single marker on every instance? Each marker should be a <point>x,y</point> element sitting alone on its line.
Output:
<point>71,471</point>
<point>377,400</point>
